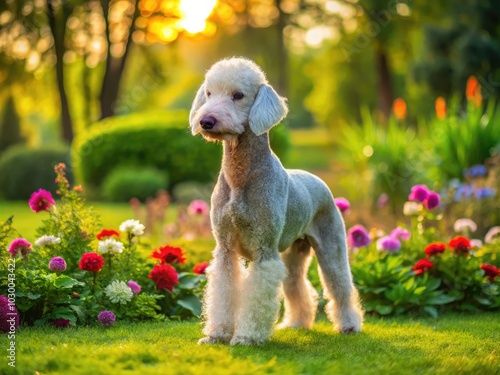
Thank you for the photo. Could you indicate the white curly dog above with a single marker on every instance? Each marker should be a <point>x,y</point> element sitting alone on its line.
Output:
<point>260,210</point>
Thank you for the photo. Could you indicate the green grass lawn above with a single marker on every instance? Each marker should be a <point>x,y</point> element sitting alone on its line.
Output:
<point>452,344</point>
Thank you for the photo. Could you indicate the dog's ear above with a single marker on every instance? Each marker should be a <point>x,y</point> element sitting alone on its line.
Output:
<point>198,101</point>
<point>267,110</point>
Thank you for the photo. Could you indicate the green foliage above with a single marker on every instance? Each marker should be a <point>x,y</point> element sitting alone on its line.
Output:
<point>125,183</point>
<point>73,222</point>
<point>462,140</point>
<point>159,140</point>
<point>26,170</point>
<point>10,129</point>
<point>392,154</point>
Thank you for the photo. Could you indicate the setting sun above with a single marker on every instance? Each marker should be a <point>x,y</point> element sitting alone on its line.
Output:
<point>194,14</point>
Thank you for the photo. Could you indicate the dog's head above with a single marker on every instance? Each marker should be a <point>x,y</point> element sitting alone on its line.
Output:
<point>235,93</point>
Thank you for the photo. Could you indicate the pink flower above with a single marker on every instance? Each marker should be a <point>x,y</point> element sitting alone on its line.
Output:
<point>419,193</point>
<point>57,264</point>
<point>41,200</point>
<point>400,233</point>
<point>342,204</point>
<point>8,311</point>
<point>432,200</point>
<point>61,323</point>
<point>388,244</point>
<point>136,288</point>
<point>383,200</point>
<point>357,236</point>
<point>19,245</point>
<point>198,207</point>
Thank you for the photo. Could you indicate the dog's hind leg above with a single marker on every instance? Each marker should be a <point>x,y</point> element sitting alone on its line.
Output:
<point>221,296</point>
<point>259,308</point>
<point>327,237</point>
<point>301,299</point>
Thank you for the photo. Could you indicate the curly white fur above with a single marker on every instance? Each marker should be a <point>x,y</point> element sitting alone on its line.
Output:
<point>260,209</point>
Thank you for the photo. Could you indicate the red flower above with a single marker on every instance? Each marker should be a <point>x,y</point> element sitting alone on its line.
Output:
<point>460,244</point>
<point>435,248</point>
<point>490,270</point>
<point>169,254</point>
<point>91,262</point>
<point>422,265</point>
<point>61,323</point>
<point>106,233</point>
<point>200,268</point>
<point>165,276</point>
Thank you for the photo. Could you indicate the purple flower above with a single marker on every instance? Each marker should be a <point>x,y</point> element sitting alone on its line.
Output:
<point>7,311</point>
<point>41,200</point>
<point>357,236</point>
<point>136,288</point>
<point>19,245</point>
<point>400,234</point>
<point>486,192</point>
<point>106,318</point>
<point>57,264</point>
<point>389,244</point>
<point>342,204</point>
<point>432,200</point>
<point>477,170</point>
<point>419,193</point>
<point>463,191</point>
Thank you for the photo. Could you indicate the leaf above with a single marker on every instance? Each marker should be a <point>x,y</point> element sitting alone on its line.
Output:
<point>33,296</point>
<point>187,281</point>
<point>191,303</point>
<point>383,309</point>
<point>482,301</point>
<point>78,310</point>
<point>432,311</point>
<point>440,300</point>
<point>433,284</point>
<point>65,282</point>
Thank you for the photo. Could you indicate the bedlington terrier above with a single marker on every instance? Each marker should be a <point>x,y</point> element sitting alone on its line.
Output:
<point>259,210</point>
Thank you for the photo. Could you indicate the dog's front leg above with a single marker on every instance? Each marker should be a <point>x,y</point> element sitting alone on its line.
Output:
<point>221,296</point>
<point>259,307</point>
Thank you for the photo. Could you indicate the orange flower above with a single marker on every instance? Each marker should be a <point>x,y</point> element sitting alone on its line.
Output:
<point>473,91</point>
<point>440,105</point>
<point>399,108</point>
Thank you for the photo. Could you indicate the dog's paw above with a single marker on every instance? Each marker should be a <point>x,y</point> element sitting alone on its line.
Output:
<point>212,340</point>
<point>246,341</point>
<point>294,325</point>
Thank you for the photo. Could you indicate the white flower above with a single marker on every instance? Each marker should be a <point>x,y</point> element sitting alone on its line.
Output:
<point>492,235</point>
<point>119,292</point>
<point>411,208</point>
<point>110,245</point>
<point>464,226</point>
<point>476,243</point>
<point>47,240</point>
<point>132,227</point>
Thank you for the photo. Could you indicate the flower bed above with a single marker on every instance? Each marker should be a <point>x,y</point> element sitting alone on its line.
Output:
<point>77,273</point>
<point>413,270</point>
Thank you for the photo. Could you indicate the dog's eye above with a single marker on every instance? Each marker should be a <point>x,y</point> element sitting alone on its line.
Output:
<point>238,96</point>
<point>209,93</point>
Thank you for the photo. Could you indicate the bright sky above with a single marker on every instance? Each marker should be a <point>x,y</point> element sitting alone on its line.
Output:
<point>194,14</point>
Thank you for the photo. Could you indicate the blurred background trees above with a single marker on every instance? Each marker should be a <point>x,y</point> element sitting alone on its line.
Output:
<point>66,64</point>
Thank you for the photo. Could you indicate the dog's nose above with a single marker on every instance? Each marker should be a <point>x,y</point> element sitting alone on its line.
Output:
<point>208,122</point>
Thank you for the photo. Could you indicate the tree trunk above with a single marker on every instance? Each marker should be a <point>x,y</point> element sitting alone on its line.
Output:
<point>114,66</point>
<point>384,86</point>
<point>282,56</point>
<point>57,24</point>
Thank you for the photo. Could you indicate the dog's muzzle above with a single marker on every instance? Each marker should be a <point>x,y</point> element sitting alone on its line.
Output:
<point>207,122</point>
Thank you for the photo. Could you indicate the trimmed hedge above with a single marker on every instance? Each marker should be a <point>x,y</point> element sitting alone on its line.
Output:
<point>125,183</point>
<point>155,139</point>
<point>24,170</point>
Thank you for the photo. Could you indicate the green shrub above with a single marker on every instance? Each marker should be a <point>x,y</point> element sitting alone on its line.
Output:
<point>24,170</point>
<point>156,139</point>
<point>125,183</point>
<point>462,140</point>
